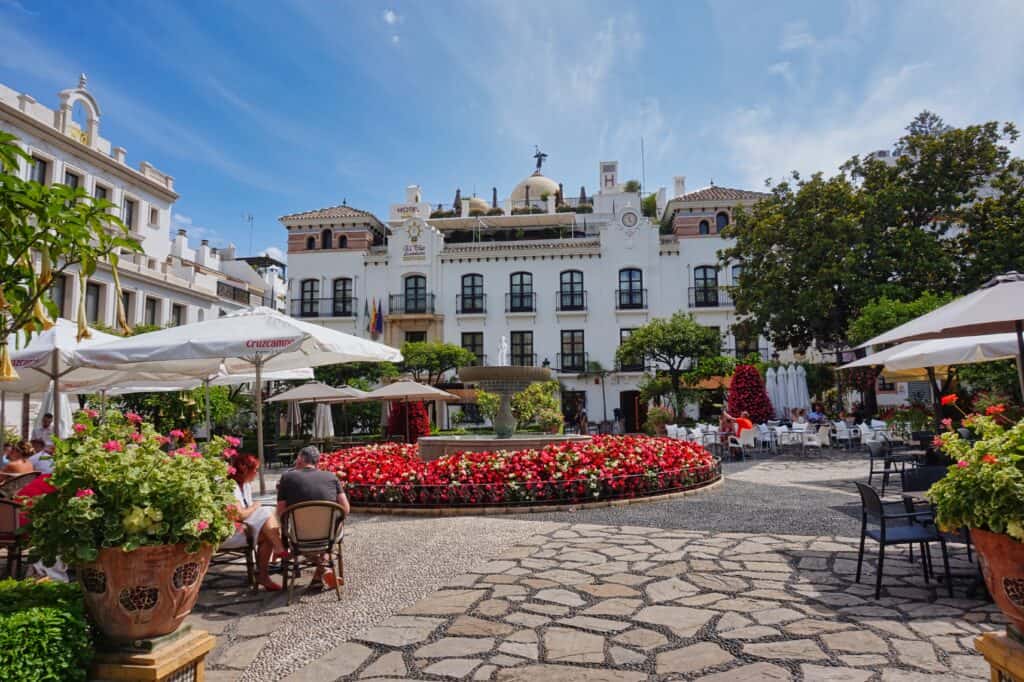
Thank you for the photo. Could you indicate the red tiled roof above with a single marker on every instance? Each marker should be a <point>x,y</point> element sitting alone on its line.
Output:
<point>714,193</point>
<point>342,211</point>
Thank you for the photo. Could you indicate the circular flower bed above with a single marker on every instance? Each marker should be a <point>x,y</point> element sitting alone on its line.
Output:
<point>606,468</point>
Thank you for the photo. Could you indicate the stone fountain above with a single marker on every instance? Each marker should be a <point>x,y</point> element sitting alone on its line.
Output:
<point>504,380</point>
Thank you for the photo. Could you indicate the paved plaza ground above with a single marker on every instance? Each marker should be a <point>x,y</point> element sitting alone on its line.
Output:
<point>751,580</point>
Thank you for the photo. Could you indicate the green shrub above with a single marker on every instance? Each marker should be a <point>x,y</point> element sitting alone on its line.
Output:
<point>43,632</point>
<point>496,211</point>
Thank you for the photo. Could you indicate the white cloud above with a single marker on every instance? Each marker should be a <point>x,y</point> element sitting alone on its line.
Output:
<point>395,40</point>
<point>182,219</point>
<point>391,17</point>
<point>275,253</point>
<point>783,70</point>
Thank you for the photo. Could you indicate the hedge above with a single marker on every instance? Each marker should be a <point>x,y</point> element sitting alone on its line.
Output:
<point>44,634</point>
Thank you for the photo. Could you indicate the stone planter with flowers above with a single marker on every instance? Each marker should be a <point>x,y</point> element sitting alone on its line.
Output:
<point>137,524</point>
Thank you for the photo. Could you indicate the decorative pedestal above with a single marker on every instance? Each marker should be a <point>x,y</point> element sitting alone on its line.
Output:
<point>1005,656</point>
<point>180,658</point>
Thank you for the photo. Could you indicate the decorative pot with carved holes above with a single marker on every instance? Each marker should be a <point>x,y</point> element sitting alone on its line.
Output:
<point>145,593</point>
<point>1002,563</point>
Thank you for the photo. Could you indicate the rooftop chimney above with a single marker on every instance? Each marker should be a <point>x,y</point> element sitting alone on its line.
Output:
<point>679,185</point>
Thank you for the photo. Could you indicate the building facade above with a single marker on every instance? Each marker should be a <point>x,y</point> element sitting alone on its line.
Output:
<point>170,282</point>
<point>561,280</point>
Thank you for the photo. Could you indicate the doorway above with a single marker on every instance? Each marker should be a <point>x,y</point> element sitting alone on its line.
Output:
<point>634,410</point>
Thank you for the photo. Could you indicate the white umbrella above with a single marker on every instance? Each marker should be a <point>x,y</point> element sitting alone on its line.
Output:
<point>954,351</point>
<point>260,339</point>
<point>316,392</point>
<point>323,423</point>
<point>406,391</point>
<point>996,308</point>
<point>294,419</point>
<point>782,388</point>
<point>771,386</point>
<point>801,386</point>
<point>792,391</point>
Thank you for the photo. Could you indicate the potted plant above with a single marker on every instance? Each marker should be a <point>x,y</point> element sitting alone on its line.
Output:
<point>137,524</point>
<point>657,417</point>
<point>984,491</point>
<point>550,420</point>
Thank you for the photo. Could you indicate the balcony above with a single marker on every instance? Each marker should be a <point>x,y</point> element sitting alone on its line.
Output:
<point>419,304</point>
<point>632,366</point>
<point>572,362</point>
<point>525,302</point>
<point>740,353</point>
<point>233,293</point>
<point>522,359</point>
<point>631,299</point>
<point>325,307</point>
<point>710,297</point>
<point>570,301</point>
<point>472,304</point>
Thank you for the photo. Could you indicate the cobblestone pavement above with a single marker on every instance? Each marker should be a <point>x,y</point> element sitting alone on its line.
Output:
<point>538,600</point>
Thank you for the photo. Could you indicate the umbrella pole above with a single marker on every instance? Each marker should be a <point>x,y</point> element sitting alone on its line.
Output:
<point>936,399</point>
<point>259,422</point>
<point>1019,325</point>
<point>55,375</point>
<point>26,403</point>
<point>206,399</point>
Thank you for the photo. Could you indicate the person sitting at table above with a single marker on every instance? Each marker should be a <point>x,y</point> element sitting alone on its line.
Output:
<point>743,422</point>
<point>41,457</point>
<point>817,415</point>
<point>256,519</point>
<point>44,431</point>
<point>17,459</point>
<point>306,483</point>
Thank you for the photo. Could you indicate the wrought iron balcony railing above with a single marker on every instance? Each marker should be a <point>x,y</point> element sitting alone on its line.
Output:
<point>418,304</point>
<point>342,306</point>
<point>570,300</point>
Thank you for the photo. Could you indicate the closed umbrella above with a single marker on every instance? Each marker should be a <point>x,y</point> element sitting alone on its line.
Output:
<point>323,423</point>
<point>771,386</point>
<point>801,386</point>
<point>792,390</point>
<point>782,388</point>
<point>257,340</point>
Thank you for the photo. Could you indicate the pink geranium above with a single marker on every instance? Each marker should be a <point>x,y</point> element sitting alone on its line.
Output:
<point>176,433</point>
<point>84,492</point>
<point>963,464</point>
<point>133,417</point>
<point>137,437</point>
<point>79,428</point>
<point>233,441</point>
<point>91,414</point>
<point>113,446</point>
<point>202,525</point>
<point>231,471</point>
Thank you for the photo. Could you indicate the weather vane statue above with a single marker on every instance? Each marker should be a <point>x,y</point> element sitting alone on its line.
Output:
<point>540,156</point>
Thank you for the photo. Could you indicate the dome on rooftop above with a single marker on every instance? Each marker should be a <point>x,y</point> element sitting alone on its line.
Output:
<point>538,184</point>
<point>478,204</point>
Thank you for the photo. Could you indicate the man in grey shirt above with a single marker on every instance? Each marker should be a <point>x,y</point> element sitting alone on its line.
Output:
<point>306,483</point>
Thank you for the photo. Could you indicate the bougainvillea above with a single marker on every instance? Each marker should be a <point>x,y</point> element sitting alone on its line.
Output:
<point>419,422</point>
<point>747,394</point>
<point>605,467</point>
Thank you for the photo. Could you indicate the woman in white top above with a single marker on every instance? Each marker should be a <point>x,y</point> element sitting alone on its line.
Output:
<point>257,520</point>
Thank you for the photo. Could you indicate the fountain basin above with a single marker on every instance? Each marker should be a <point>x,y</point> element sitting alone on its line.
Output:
<point>504,380</point>
<point>432,447</point>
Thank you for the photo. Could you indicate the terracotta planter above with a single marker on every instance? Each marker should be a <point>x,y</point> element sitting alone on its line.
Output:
<point>1002,563</point>
<point>145,593</point>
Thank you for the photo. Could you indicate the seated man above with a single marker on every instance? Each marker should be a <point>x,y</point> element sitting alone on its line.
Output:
<point>41,459</point>
<point>306,483</point>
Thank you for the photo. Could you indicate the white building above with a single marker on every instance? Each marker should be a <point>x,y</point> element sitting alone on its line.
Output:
<point>562,279</point>
<point>170,282</point>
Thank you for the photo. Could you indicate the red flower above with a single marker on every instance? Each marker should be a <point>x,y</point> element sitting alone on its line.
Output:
<point>989,459</point>
<point>233,441</point>
<point>113,446</point>
<point>962,464</point>
<point>995,409</point>
<point>84,492</point>
<point>202,525</point>
<point>176,433</point>
<point>136,437</point>
<point>949,399</point>
<point>79,428</point>
<point>133,417</point>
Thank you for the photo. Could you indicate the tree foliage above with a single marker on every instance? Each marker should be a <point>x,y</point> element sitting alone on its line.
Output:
<point>45,232</point>
<point>428,361</point>
<point>817,250</point>
<point>883,314</point>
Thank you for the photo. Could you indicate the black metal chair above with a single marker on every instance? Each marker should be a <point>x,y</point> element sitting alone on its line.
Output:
<point>920,479</point>
<point>309,530</point>
<point>903,532</point>
<point>880,455</point>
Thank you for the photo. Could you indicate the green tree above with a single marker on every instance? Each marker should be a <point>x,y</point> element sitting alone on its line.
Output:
<point>883,314</point>
<point>649,206</point>
<point>676,343</point>
<point>631,186</point>
<point>353,373</point>
<point>428,361</point>
<point>45,232</point>
<point>994,244</point>
<point>534,399</point>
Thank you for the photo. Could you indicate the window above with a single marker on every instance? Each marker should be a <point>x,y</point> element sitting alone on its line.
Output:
<point>71,179</point>
<point>737,272</point>
<point>415,337</point>
<point>885,386</point>
<point>309,294</point>
<point>570,291</point>
<point>415,294</point>
<point>129,211</point>
<point>154,215</point>
<point>705,227</point>
<point>721,221</point>
<point>747,339</point>
<point>100,192</point>
<point>522,350</point>
<point>705,286</point>
<point>520,293</point>
<point>310,243</point>
<point>631,292</point>
<point>342,242</point>
<point>632,364</point>
<point>474,343</point>
<point>325,239</point>
<point>57,293</point>
<point>151,312</point>
<point>343,301</point>
<point>177,315</point>
<point>92,302</point>
<point>472,299</point>
<point>572,358</point>
<point>40,171</point>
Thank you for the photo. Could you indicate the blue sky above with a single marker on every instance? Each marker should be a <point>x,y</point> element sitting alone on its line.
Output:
<point>272,108</point>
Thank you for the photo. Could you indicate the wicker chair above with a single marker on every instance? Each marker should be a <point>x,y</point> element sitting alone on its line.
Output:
<point>311,529</point>
<point>13,485</point>
<point>229,554</point>
<point>9,538</point>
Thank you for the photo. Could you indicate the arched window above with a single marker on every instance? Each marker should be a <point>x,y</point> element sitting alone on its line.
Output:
<point>343,301</point>
<point>631,293</point>
<point>472,298</point>
<point>415,294</point>
<point>521,298</point>
<point>571,295</point>
<point>705,227</point>
<point>309,299</point>
<point>325,239</point>
<point>705,286</point>
<point>342,242</point>
<point>721,220</point>
<point>310,243</point>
